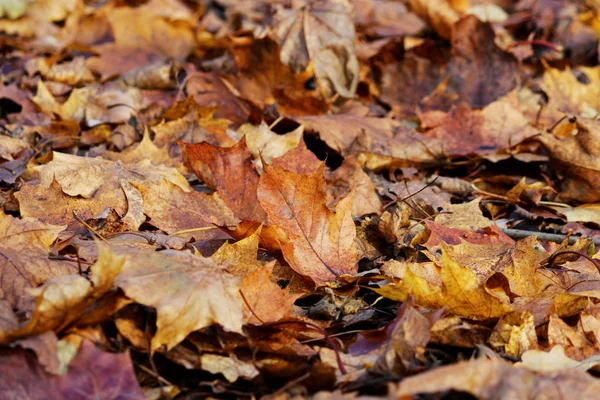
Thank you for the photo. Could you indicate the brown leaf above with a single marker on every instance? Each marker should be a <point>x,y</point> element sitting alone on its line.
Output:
<point>239,258</point>
<point>25,246</point>
<point>267,82</point>
<point>61,300</point>
<point>350,177</point>
<point>189,122</point>
<point>188,292</point>
<point>465,131</point>
<point>322,32</point>
<point>263,142</point>
<point>437,13</point>
<point>384,18</point>
<point>477,71</point>
<point>300,160</point>
<point>156,30</point>
<point>264,300</point>
<point>575,157</point>
<point>90,185</point>
<point>172,210</point>
<point>408,338</point>
<point>231,367</point>
<point>320,243</point>
<point>229,172</point>
<point>496,379</point>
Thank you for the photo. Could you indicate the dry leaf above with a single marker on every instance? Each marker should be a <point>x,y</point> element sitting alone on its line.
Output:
<point>188,292</point>
<point>320,243</point>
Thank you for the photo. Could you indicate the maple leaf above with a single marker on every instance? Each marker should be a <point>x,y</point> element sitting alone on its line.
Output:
<point>228,171</point>
<point>322,32</point>
<point>382,18</point>
<point>89,185</point>
<point>267,82</point>
<point>189,122</point>
<point>142,35</point>
<point>188,292</point>
<point>438,13</point>
<point>264,300</point>
<point>320,243</point>
<point>350,177</point>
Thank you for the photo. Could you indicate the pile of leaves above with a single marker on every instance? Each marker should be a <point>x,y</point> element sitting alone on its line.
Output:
<point>299,199</point>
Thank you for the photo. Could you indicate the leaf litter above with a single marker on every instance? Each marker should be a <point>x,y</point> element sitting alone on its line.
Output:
<point>299,199</point>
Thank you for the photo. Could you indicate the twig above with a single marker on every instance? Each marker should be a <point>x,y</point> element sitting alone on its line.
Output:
<point>518,234</point>
<point>92,230</point>
<point>207,228</point>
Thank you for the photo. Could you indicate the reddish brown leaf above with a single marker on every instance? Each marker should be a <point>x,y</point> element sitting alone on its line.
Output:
<point>229,172</point>
<point>320,243</point>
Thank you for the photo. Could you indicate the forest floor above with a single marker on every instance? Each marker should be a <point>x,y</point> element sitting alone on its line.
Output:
<point>290,199</point>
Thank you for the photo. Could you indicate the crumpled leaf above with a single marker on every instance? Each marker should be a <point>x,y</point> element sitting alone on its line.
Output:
<point>24,249</point>
<point>321,32</point>
<point>320,243</point>
<point>516,334</point>
<point>62,300</point>
<point>574,157</point>
<point>188,292</point>
<point>231,367</point>
<point>89,185</point>
<point>437,13</point>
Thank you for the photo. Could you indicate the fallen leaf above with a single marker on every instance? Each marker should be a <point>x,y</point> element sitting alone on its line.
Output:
<point>231,367</point>
<point>61,300</point>
<point>188,292</point>
<point>321,32</point>
<point>438,13</point>
<point>228,171</point>
<point>25,246</point>
<point>320,243</point>
<point>497,379</point>
<point>574,157</point>
<point>264,300</point>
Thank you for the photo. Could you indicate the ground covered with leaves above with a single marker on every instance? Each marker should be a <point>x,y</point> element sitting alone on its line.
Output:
<point>299,199</point>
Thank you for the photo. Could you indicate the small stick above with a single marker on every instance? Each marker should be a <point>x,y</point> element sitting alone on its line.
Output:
<point>518,234</point>
<point>82,222</point>
<point>207,228</point>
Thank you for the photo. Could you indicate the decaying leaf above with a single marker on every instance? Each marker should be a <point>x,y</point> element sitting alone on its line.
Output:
<point>321,32</point>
